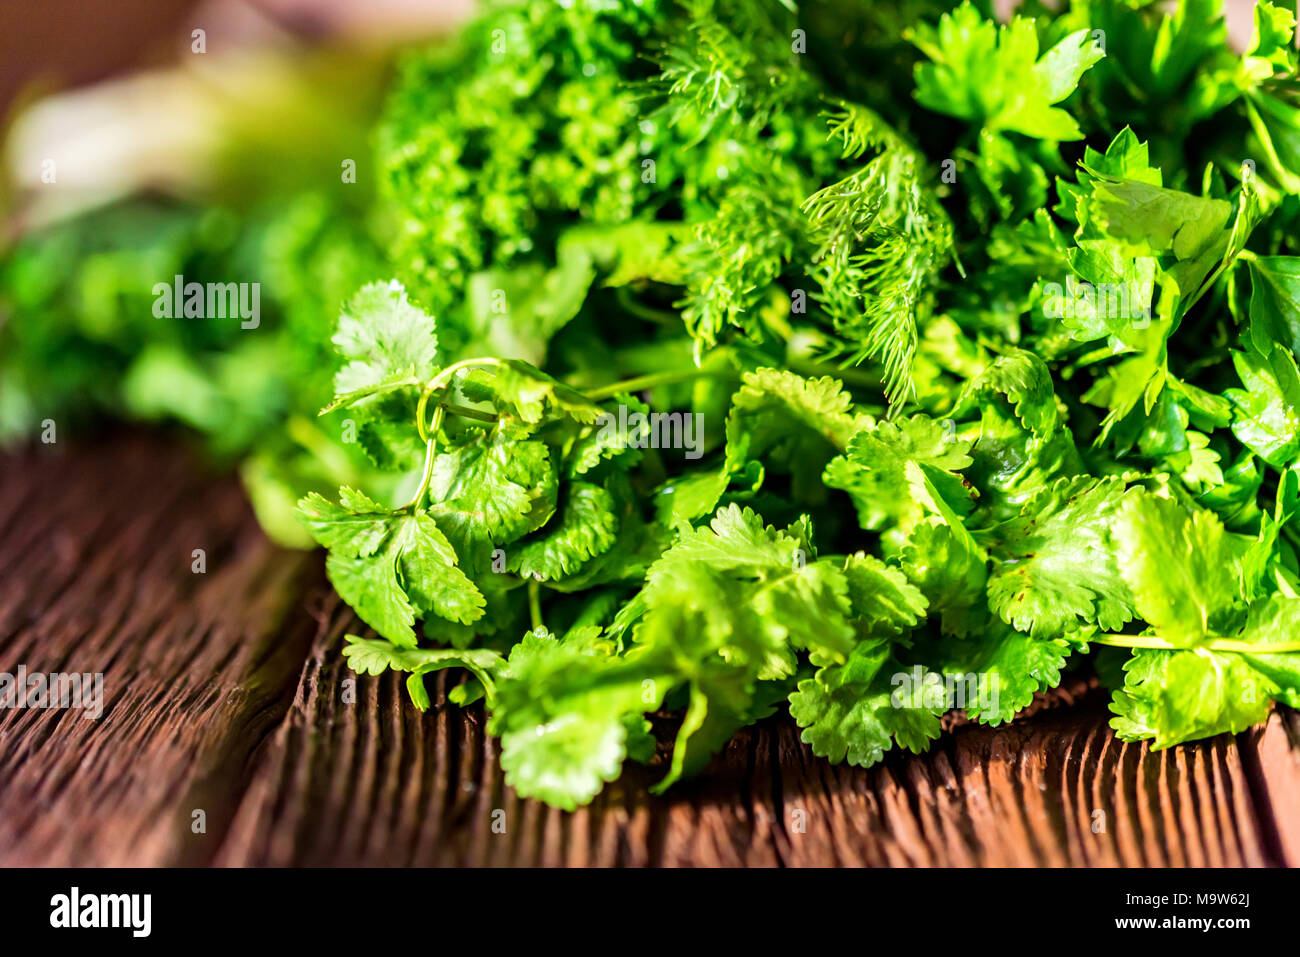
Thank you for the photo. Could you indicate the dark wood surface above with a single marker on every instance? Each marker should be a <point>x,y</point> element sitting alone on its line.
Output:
<point>225,693</point>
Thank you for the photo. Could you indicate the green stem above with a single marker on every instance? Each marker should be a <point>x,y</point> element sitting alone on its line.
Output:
<point>367,392</point>
<point>660,317</point>
<point>445,376</point>
<point>1214,644</point>
<point>535,607</point>
<point>420,411</point>
<point>466,412</point>
<point>1132,641</point>
<point>1254,648</point>
<point>430,451</point>
<point>305,433</point>
<point>651,381</point>
<point>440,383</point>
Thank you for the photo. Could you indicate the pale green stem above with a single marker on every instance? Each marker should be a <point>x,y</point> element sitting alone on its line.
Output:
<point>430,451</point>
<point>1214,644</point>
<point>466,412</point>
<point>535,606</point>
<point>651,381</point>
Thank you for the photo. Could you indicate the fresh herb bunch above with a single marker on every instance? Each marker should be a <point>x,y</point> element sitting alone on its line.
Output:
<point>738,352</point>
<point>978,395</point>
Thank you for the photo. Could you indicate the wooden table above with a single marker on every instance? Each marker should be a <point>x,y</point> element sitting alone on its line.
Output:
<point>228,736</point>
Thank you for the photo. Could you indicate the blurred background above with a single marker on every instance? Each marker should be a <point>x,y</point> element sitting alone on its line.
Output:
<point>222,141</point>
<point>148,93</point>
<point>123,92</point>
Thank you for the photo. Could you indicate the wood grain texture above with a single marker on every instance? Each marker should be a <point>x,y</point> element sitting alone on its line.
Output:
<point>227,692</point>
<point>95,559</point>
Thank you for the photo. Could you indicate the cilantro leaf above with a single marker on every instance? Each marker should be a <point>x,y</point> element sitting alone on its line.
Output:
<point>527,393</point>
<point>1024,442</point>
<point>951,571</point>
<point>792,422</point>
<point>493,489</point>
<point>872,469</point>
<point>1164,219</point>
<point>389,565</point>
<point>1054,567</point>
<point>856,711</point>
<point>369,656</point>
<point>615,436</point>
<point>1275,301</point>
<point>388,342</point>
<point>1000,671</point>
<point>586,527</point>
<point>562,707</point>
<point>1183,600</point>
<point>515,313</point>
<point>738,598</point>
<point>882,599</point>
<point>1175,696</point>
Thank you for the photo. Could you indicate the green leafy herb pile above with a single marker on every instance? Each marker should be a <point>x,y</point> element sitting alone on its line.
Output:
<point>870,360</point>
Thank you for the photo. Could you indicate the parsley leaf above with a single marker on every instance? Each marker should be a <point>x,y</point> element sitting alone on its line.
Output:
<point>993,75</point>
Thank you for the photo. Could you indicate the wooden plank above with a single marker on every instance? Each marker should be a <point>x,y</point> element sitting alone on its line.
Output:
<point>226,692</point>
<point>96,569</point>
<point>1055,790</point>
<point>1273,769</point>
